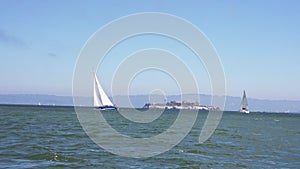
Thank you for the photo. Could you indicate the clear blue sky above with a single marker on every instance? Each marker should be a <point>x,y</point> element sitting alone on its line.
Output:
<point>258,42</point>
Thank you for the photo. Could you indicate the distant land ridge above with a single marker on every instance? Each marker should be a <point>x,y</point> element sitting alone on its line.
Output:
<point>138,101</point>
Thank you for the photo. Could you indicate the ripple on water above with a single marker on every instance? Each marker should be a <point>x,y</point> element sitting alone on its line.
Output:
<point>221,132</point>
<point>197,152</point>
<point>236,135</point>
<point>53,156</point>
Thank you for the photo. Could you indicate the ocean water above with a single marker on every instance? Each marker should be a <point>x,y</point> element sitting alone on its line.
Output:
<point>52,137</point>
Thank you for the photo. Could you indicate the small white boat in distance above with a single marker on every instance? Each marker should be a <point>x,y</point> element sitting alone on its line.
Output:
<point>244,105</point>
<point>101,100</point>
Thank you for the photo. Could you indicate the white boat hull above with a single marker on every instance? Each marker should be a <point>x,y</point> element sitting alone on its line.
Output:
<point>245,111</point>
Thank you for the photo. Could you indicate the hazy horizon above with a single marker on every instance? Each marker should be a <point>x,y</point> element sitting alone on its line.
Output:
<point>249,97</point>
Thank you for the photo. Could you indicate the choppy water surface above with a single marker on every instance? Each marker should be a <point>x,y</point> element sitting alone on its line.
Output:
<point>52,137</point>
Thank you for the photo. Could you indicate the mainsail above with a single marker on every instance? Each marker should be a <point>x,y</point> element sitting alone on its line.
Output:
<point>100,98</point>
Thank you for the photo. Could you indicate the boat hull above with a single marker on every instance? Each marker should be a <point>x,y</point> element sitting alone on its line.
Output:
<point>245,111</point>
<point>107,108</point>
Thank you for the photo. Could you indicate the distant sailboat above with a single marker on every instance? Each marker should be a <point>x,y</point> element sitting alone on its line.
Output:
<point>101,100</point>
<point>244,105</point>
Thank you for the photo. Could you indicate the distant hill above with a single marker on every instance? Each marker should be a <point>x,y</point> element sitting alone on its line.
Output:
<point>232,103</point>
<point>33,99</point>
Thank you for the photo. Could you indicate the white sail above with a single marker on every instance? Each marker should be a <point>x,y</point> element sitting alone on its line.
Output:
<point>244,104</point>
<point>100,98</point>
<point>97,102</point>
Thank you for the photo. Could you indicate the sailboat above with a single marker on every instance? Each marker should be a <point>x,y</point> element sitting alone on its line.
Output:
<point>101,100</point>
<point>244,105</point>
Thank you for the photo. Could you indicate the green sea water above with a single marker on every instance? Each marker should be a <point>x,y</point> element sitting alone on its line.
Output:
<point>52,137</point>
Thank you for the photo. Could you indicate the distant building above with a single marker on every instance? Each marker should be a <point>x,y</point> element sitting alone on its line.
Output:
<point>179,105</point>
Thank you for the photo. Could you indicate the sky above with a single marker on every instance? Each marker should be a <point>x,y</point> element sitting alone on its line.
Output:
<point>258,43</point>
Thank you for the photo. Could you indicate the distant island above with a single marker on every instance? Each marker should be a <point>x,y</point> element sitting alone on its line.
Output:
<point>180,105</point>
